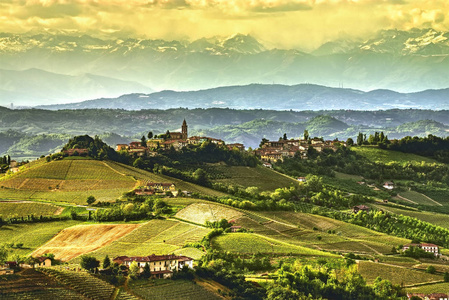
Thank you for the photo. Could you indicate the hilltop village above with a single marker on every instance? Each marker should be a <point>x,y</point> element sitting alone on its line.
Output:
<point>269,151</point>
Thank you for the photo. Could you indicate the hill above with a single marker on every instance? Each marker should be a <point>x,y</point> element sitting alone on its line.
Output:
<point>72,181</point>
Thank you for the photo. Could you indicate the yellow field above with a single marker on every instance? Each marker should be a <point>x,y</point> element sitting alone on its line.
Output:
<point>202,212</point>
<point>81,239</point>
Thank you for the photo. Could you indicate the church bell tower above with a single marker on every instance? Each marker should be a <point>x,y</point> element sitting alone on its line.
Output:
<point>184,130</point>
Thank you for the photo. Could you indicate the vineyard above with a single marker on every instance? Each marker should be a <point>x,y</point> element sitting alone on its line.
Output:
<point>67,181</point>
<point>170,289</point>
<point>155,236</point>
<point>81,282</point>
<point>263,178</point>
<point>386,156</point>
<point>245,243</point>
<point>397,275</point>
<point>23,209</point>
<point>202,212</point>
<point>31,235</point>
<point>77,240</point>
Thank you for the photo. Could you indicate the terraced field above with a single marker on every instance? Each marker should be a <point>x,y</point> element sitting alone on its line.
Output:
<point>23,209</point>
<point>397,275</point>
<point>171,289</point>
<point>201,212</point>
<point>158,237</point>
<point>419,198</point>
<point>263,178</point>
<point>430,288</point>
<point>32,235</point>
<point>81,239</point>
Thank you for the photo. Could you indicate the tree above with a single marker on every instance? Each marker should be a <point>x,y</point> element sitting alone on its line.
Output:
<point>264,140</point>
<point>306,134</point>
<point>431,270</point>
<point>200,176</point>
<point>360,139</point>
<point>106,262</point>
<point>89,263</point>
<point>50,256</point>
<point>284,137</point>
<point>90,200</point>
<point>146,271</point>
<point>143,141</point>
<point>150,135</point>
<point>134,269</point>
<point>446,277</point>
<point>3,254</point>
<point>350,142</point>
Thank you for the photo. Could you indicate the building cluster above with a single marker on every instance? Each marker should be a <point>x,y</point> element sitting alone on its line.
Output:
<point>161,266</point>
<point>172,140</point>
<point>433,296</point>
<point>272,151</point>
<point>156,188</point>
<point>430,248</point>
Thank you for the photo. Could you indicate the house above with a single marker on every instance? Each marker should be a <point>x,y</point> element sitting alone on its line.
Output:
<point>76,151</point>
<point>388,185</point>
<point>162,187</point>
<point>161,266</point>
<point>235,228</point>
<point>434,296</point>
<point>6,271</point>
<point>120,147</point>
<point>267,165</point>
<point>301,179</point>
<point>43,261</point>
<point>237,146</point>
<point>358,208</point>
<point>430,248</point>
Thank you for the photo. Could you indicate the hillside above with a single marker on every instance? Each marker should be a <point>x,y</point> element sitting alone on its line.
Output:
<point>73,181</point>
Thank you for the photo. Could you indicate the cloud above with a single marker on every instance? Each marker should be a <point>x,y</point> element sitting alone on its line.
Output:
<point>281,23</point>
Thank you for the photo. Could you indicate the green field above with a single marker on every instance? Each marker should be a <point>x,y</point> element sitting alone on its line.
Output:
<point>201,212</point>
<point>156,237</point>
<point>32,235</point>
<point>246,243</point>
<point>263,178</point>
<point>23,209</point>
<point>170,289</point>
<point>386,156</point>
<point>397,275</point>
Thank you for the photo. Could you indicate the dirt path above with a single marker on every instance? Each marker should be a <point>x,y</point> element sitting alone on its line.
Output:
<point>405,199</point>
<point>430,199</point>
<point>23,183</point>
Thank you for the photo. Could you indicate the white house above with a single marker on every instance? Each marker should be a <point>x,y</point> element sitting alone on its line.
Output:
<point>388,185</point>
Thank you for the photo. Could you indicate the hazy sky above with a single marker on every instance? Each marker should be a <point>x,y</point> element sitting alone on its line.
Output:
<point>277,23</point>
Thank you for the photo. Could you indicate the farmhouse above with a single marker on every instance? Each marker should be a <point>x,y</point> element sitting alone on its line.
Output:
<point>434,296</point>
<point>161,266</point>
<point>388,185</point>
<point>152,188</point>
<point>42,262</point>
<point>301,179</point>
<point>358,208</point>
<point>430,248</point>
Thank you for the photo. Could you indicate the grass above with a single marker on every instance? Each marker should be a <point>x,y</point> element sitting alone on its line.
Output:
<point>348,176</point>
<point>201,212</point>
<point>170,289</point>
<point>14,209</point>
<point>386,156</point>
<point>155,236</point>
<point>263,178</point>
<point>397,275</point>
<point>246,243</point>
<point>32,235</point>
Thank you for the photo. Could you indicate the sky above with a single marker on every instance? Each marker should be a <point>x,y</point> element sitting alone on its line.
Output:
<point>301,24</point>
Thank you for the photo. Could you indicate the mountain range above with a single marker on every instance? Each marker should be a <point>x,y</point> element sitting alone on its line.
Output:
<point>277,97</point>
<point>405,61</point>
